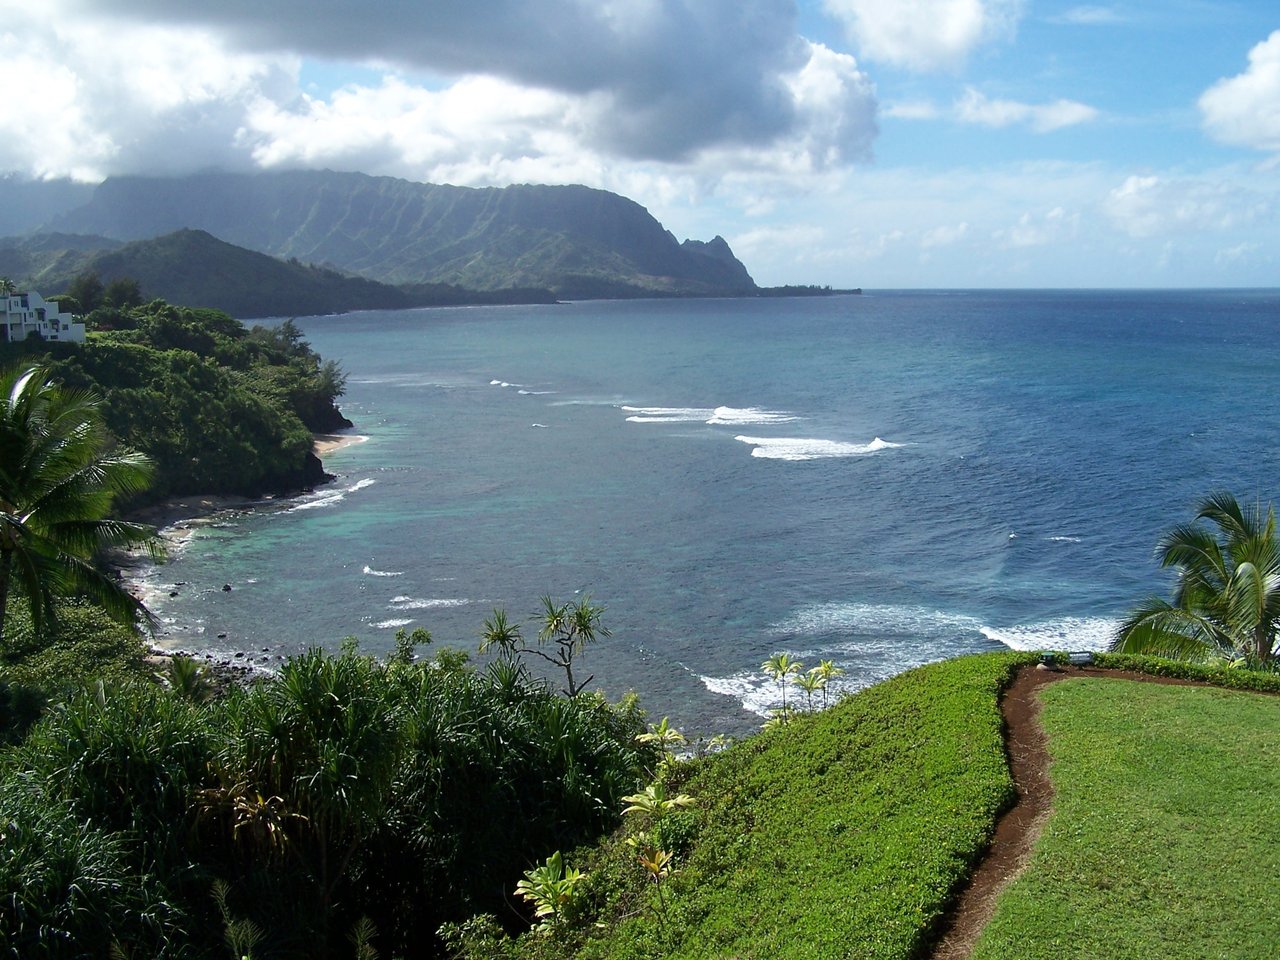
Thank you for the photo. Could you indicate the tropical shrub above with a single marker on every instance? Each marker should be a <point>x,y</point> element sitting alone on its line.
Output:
<point>342,795</point>
<point>1226,604</point>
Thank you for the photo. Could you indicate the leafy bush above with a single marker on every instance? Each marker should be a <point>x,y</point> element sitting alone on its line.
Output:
<point>343,788</point>
<point>66,886</point>
<point>1219,675</point>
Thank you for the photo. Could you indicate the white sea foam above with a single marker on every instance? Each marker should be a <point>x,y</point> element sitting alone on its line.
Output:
<point>418,603</point>
<point>369,571</point>
<point>718,416</point>
<point>796,448</point>
<point>1067,633</point>
<point>869,640</point>
<point>1065,539</point>
<point>748,416</point>
<point>895,620</point>
<point>389,624</point>
<point>755,692</point>
<point>329,498</point>
<point>669,414</point>
<point>537,393</point>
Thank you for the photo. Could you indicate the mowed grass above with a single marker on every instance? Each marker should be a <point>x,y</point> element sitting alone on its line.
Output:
<point>1164,840</point>
<point>843,835</point>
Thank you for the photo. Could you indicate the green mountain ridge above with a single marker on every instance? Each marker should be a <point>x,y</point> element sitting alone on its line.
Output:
<point>572,240</point>
<point>195,268</point>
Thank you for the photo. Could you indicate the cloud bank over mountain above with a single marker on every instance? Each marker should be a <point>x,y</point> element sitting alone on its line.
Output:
<point>458,86</point>
<point>850,142</point>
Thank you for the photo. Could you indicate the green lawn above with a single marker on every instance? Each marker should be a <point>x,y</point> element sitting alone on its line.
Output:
<point>843,835</point>
<point>1164,841</point>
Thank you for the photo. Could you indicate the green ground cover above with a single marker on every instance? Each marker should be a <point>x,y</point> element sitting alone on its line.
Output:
<point>1163,840</point>
<point>843,834</point>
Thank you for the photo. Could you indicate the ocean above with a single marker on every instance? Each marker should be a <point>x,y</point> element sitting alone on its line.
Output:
<point>880,480</point>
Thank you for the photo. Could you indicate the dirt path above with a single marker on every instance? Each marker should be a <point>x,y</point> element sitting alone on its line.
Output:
<point>1019,828</point>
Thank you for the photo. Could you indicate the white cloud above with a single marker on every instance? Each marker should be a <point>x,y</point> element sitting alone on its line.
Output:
<point>672,78</point>
<point>1154,206</point>
<point>666,97</point>
<point>1038,230</point>
<point>484,130</point>
<point>925,35</point>
<point>944,236</point>
<point>1245,109</point>
<point>1239,253</point>
<point>1088,16</point>
<point>975,107</point>
<point>77,106</point>
<point>912,110</point>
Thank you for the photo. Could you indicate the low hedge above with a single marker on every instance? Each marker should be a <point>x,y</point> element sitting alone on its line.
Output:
<point>1235,678</point>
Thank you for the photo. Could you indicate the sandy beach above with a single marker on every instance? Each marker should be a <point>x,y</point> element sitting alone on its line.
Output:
<point>327,443</point>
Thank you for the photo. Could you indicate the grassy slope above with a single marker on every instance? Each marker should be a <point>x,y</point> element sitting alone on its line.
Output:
<point>843,835</point>
<point>1163,841</point>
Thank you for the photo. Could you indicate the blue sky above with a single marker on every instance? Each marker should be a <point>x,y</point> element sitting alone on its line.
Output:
<point>914,143</point>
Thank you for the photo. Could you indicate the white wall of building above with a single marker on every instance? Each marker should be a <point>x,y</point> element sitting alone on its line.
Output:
<point>21,314</point>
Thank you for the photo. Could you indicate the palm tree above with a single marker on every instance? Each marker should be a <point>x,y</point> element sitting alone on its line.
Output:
<point>1227,600</point>
<point>780,666</point>
<point>57,485</point>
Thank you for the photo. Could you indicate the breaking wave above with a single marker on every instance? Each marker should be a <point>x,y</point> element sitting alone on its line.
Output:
<point>718,416</point>
<point>796,448</point>
<point>416,603</point>
<point>1067,633</point>
<point>329,498</point>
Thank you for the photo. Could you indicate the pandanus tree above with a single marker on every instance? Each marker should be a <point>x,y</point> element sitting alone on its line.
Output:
<point>58,484</point>
<point>1226,602</point>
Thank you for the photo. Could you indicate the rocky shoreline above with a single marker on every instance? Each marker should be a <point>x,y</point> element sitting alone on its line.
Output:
<point>176,521</point>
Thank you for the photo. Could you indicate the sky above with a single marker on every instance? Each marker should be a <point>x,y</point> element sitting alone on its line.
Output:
<point>871,143</point>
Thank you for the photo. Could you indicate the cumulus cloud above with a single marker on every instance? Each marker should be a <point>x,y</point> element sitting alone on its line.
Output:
<point>77,106</point>
<point>548,90</point>
<point>925,35</point>
<point>672,78</point>
<point>1245,109</point>
<point>1153,206</point>
<point>974,107</point>
<point>488,130</point>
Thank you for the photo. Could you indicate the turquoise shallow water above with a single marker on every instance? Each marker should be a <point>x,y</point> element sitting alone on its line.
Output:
<point>880,480</point>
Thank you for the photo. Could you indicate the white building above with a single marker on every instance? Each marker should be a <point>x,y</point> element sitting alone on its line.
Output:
<point>22,314</point>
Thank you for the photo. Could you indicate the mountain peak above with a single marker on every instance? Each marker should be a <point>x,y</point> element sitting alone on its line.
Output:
<point>574,240</point>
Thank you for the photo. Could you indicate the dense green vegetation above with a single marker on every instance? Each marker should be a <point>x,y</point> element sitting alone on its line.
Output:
<point>58,484</point>
<point>1227,600</point>
<point>1162,841</point>
<point>574,241</point>
<point>194,268</point>
<point>842,833</point>
<point>344,788</point>
<point>82,646</point>
<point>220,409</point>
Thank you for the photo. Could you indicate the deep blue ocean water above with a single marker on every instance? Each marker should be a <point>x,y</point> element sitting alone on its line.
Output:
<point>881,480</point>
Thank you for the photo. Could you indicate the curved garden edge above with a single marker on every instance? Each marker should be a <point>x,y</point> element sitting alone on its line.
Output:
<point>1019,827</point>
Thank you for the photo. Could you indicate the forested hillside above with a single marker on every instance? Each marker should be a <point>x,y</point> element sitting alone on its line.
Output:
<point>572,240</point>
<point>220,408</point>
